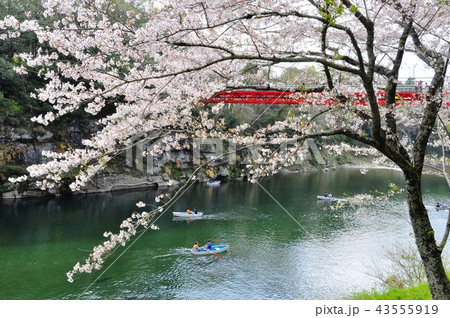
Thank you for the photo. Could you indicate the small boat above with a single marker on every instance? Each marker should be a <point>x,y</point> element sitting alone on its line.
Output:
<point>441,207</point>
<point>329,198</point>
<point>186,215</point>
<point>215,249</point>
<point>213,183</point>
<point>326,197</point>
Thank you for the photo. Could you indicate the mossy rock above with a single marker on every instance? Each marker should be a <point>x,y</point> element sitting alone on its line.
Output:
<point>6,188</point>
<point>210,172</point>
<point>172,170</point>
<point>11,170</point>
<point>38,130</point>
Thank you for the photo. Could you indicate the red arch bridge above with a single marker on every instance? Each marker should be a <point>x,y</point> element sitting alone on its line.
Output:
<point>288,97</point>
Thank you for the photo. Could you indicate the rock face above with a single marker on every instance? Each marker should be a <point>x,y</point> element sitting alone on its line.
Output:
<point>32,154</point>
<point>23,146</point>
<point>15,194</point>
<point>112,182</point>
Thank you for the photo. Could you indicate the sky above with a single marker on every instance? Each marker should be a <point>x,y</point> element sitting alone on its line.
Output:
<point>416,68</point>
<point>412,67</point>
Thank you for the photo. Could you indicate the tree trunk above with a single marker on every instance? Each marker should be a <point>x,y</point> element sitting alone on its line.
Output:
<point>425,240</point>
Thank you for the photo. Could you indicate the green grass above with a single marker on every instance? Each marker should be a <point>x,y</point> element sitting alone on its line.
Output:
<point>420,292</point>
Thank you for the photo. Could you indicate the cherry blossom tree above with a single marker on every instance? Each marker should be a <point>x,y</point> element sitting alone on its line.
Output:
<point>156,64</point>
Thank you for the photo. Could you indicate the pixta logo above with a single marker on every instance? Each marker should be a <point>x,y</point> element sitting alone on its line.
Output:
<point>150,152</point>
<point>139,153</point>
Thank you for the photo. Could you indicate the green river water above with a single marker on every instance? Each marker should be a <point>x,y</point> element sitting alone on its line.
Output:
<point>322,254</point>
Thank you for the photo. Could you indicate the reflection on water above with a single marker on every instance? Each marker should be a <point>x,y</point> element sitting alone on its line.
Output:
<point>321,254</point>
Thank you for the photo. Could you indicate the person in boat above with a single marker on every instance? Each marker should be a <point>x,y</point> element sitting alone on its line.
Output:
<point>188,211</point>
<point>195,211</point>
<point>195,247</point>
<point>438,205</point>
<point>208,245</point>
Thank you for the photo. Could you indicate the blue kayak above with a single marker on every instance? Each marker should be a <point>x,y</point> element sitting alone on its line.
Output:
<point>215,249</point>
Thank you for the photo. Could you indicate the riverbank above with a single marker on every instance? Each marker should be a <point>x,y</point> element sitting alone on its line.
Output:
<point>111,181</point>
<point>119,177</point>
<point>420,292</point>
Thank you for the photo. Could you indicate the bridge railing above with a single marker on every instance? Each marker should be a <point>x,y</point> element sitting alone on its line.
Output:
<point>290,97</point>
<point>315,86</point>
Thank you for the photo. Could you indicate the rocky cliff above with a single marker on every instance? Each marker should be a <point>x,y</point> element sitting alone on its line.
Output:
<point>23,146</point>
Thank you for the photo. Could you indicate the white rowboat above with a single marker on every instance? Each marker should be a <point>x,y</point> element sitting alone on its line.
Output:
<point>186,215</point>
<point>329,198</point>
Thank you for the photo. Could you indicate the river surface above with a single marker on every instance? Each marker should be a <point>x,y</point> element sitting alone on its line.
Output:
<point>283,245</point>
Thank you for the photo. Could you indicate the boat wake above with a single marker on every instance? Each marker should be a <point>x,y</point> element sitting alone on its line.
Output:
<point>167,255</point>
<point>220,216</point>
<point>176,252</point>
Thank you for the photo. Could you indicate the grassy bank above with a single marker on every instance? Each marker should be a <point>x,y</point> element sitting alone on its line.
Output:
<point>420,292</point>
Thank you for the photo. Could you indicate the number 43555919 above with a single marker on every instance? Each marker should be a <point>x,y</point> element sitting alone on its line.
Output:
<point>407,309</point>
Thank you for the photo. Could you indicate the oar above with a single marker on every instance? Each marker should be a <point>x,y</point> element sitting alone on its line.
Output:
<point>213,253</point>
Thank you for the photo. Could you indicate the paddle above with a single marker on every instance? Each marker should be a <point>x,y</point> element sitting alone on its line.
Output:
<point>213,253</point>
<point>209,249</point>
